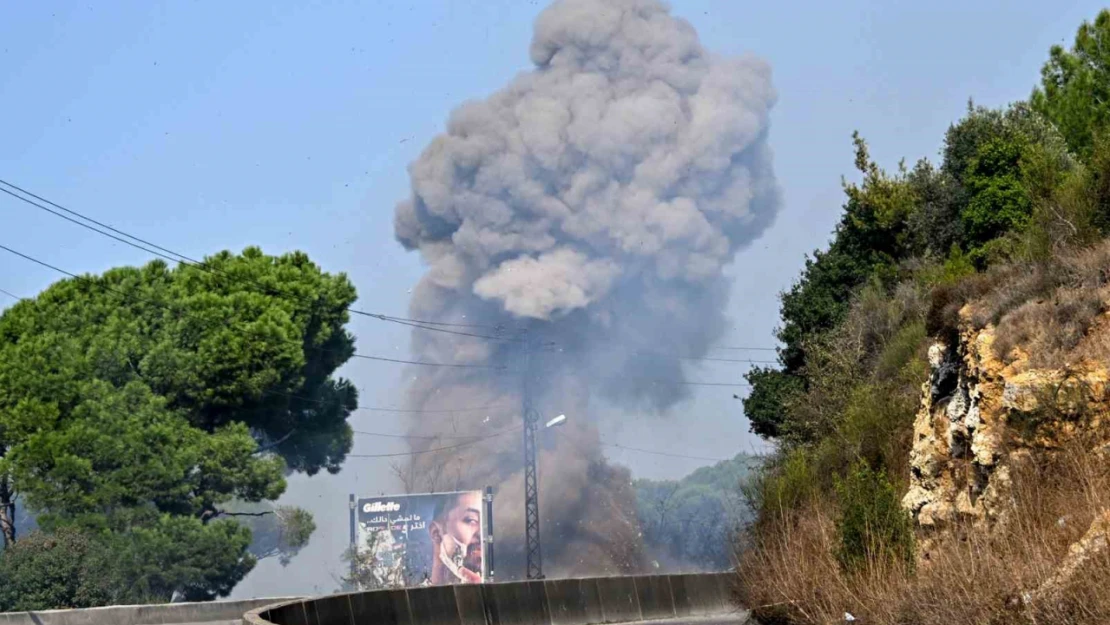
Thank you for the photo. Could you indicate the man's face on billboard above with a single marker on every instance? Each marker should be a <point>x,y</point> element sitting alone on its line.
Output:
<point>462,525</point>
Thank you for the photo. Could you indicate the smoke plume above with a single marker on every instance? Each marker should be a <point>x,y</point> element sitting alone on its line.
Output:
<point>587,209</point>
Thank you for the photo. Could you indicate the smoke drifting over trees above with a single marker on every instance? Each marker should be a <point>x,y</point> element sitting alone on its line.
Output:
<point>589,207</point>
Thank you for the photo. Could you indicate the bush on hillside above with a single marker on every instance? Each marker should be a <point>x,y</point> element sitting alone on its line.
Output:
<point>873,526</point>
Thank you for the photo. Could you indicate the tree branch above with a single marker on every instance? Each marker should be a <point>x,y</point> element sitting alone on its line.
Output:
<point>220,513</point>
<point>269,446</point>
<point>211,512</point>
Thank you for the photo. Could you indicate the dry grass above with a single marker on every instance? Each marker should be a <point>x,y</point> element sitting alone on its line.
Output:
<point>1070,278</point>
<point>1048,330</point>
<point>1045,308</point>
<point>788,573</point>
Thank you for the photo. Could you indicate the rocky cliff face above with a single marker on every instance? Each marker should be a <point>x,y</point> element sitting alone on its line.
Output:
<point>981,416</point>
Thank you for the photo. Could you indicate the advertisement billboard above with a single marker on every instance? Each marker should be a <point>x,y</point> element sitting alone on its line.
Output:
<point>431,539</point>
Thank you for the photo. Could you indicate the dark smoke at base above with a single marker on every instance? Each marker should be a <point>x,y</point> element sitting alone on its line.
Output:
<point>590,206</point>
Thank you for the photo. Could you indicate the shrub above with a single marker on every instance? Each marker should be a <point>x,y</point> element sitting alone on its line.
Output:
<point>782,489</point>
<point>766,405</point>
<point>872,527</point>
<point>65,569</point>
<point>1098,168</point>
<point>903,356</point>
<point>877,426</point>
<point>1064,200</point>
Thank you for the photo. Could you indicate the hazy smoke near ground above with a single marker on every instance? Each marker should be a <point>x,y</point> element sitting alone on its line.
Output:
<point>589,205</point>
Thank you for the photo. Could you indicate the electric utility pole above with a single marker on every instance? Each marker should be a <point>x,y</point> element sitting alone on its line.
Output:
<point>533,553</point>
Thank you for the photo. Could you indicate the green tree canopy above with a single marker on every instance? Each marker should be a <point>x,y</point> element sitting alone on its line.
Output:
<point>871,237</point>
<point>140,401</point>
<point>1075,85</point>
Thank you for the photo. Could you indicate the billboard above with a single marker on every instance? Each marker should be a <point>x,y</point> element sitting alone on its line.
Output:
<point>430,539</point>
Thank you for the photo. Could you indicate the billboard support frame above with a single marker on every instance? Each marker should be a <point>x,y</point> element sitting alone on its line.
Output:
<point>354,538</point>
<point>487,550</point>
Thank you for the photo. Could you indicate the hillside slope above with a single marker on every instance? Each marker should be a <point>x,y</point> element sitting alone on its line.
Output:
<point>940,409</point>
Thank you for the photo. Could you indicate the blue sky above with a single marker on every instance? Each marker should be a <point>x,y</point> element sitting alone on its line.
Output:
<point>214,125</point>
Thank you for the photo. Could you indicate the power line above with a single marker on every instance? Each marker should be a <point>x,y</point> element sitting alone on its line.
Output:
<point>443,411</point>
<point>383,408</point>
<point>182,258</point>
<point>687,383</point>
<point>662,453</point>
<point>753,349</point>
<point>428,451</point>
<point>434,437</point>
<point>161,305</point>
<point>748,361</point>
<point>38,262</point>
<point>11,295</point>
<point>655,452</point>
<point>422,325</point>
<point>86,218</point>
<point>428,364</point>
<point>743,360</point>
<point>714,384</point>
<point>87,226</point>
<point>500,327</point>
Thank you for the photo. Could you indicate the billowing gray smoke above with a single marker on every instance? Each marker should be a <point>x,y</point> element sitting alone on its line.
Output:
<point>589,208</point>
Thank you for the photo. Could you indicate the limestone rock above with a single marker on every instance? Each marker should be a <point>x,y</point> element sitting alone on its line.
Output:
<point>969,429</point>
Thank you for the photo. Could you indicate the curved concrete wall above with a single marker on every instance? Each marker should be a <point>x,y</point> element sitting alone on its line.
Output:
<point>550,602</point>
<point>161,614</point>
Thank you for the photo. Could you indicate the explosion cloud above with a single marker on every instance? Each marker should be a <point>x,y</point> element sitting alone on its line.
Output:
<point>586,209</point>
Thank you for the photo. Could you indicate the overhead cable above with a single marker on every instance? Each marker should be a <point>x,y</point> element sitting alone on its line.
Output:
<point>429,451</point>
<point>168,254</point>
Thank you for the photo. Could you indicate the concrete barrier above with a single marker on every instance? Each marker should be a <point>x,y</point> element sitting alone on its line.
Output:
<point>573,601</point>
<point>333,609</point>
<point>683,607</point>
<point>165,614</point>
<point>380,608</point>
<point>291,614</point>
<point>619,603</point>
<point>587,601</point>
<point>434,605</point>
<point>655,597</point>
<point>726,582</point>
<point>474,607</point>
<point>519,603</point>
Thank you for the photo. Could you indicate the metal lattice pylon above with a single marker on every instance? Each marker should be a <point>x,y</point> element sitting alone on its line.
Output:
<point>531,497</point>
<point>533,553</point>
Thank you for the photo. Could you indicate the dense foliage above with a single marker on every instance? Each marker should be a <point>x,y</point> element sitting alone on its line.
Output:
<point>1075,85</point>
<point>685,522</point>
<point>872,524</point>
<point>137,404</point>
<point>67,569</point>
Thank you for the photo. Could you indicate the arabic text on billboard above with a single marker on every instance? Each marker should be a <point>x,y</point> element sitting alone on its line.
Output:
<point>422,540</point>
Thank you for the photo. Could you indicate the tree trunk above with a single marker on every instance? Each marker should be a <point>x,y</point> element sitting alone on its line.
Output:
<point>7,511</point>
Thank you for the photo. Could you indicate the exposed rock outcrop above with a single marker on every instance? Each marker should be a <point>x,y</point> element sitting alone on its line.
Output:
<point>980,416</point>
